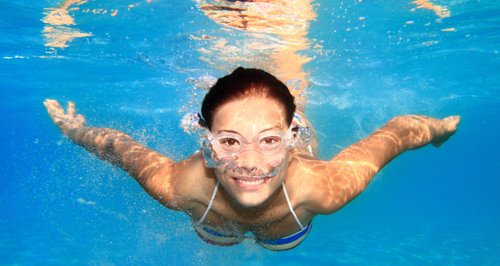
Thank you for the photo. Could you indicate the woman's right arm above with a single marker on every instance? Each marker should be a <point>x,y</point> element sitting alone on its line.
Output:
<point>153,171</point>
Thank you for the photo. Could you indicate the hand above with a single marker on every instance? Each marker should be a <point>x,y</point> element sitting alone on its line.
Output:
<point>64,120</point>
<point>445,128</point>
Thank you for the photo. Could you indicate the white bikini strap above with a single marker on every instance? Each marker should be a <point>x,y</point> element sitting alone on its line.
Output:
<point>209,204</point>
<point>290,206</point>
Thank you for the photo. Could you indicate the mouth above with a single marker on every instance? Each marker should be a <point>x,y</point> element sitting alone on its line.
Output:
<point>251,183</point>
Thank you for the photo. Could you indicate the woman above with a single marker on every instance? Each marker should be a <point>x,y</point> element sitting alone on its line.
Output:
<point>257,171</point>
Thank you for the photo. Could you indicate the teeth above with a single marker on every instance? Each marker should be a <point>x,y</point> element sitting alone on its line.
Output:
<point>251,182</point>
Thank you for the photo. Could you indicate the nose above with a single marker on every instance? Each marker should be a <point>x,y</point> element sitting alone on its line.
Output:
<point>251,160</point>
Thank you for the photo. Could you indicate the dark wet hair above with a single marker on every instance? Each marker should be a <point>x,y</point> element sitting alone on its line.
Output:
<point>245,82</point>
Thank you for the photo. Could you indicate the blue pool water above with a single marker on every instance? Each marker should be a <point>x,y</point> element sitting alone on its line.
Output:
<point>138,66</point>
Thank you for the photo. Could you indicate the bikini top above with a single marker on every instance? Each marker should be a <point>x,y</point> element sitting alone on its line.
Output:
<point>223,239</point>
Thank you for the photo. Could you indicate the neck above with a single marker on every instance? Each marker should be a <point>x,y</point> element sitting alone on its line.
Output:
<point>253,212</point>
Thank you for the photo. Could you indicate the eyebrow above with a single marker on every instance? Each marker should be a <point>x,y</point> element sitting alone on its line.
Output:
<point>236,132</point>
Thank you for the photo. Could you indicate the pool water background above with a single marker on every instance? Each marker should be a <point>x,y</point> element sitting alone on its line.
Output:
<point>60,205</point>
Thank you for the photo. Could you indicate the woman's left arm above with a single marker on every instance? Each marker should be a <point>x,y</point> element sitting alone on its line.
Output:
<point>348,173</point>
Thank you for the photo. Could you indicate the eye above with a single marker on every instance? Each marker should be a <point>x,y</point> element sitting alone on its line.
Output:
<point>229,142</point>
<point>270,142</point>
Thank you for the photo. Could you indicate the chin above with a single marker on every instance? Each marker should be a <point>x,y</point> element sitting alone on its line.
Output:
<point>250,192</point>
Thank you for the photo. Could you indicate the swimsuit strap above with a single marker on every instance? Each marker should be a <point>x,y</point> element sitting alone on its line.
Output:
<point>209,204</point>
<point>290,206</point>
<point>286,196</point>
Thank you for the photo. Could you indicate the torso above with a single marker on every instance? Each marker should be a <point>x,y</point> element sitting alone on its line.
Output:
<point>273,220</point>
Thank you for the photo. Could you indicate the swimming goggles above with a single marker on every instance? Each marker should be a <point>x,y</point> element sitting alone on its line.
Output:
<point>269,143</point>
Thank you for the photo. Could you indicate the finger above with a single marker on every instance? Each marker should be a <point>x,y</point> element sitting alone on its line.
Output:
<point>53,106</point>
<point>452,122</point>
<point>71,108</point>
<point>81,120</point>
<point>456,119</point>
<point>47,101</point>
<point>50,102</point>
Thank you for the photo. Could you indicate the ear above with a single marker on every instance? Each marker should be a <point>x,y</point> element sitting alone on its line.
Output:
<point>192,123</point>
<point>300,131</point>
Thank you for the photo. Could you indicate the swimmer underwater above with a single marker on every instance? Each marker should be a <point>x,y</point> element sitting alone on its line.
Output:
<point>257,170</point>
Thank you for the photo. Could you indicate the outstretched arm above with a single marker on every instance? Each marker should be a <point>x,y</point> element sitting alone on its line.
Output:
<point>151,169</point>
<point>348,173</point>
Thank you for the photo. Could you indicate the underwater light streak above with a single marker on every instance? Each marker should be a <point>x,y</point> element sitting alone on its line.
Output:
<point>58,31</point>
<point>276,34</point>
<point>440,11</point>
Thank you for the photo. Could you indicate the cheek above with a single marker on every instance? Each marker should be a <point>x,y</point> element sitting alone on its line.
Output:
<point>277,160</point>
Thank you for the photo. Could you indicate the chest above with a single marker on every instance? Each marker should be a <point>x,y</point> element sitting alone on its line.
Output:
<point>275,221</point>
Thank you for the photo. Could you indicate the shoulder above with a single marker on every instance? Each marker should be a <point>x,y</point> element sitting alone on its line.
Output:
<point>319,185</point>
<point>189,182</point>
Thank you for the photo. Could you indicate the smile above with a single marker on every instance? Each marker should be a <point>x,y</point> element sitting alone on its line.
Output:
<point>251,183</point>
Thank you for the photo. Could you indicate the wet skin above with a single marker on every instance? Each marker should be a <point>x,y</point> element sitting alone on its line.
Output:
<point>315,186</point>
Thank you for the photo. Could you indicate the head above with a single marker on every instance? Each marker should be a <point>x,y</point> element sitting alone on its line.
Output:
<point>249,113</point>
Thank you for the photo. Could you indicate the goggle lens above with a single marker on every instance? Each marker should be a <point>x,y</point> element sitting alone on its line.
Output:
<point>230,144</point>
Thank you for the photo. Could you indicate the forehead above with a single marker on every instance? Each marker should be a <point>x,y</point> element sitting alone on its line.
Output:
<point>249,116</point>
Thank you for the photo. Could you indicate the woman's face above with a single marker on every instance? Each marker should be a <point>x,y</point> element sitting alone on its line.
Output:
<point>248,132</point>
